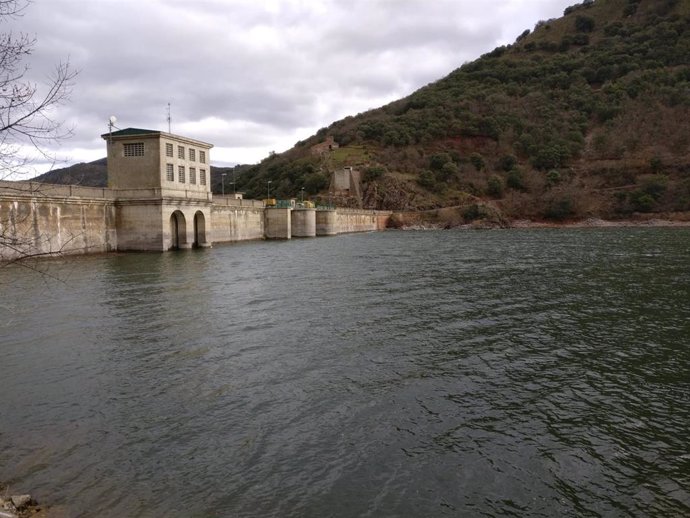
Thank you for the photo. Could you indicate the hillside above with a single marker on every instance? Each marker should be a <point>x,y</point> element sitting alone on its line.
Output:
<point>583,116</point>
<point>95,174</point>
<point>91,174</point>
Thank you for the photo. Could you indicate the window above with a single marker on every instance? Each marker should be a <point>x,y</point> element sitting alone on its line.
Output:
<point>180,173</point>
<point>192,155</point>
<point>192,174</point>
<point>169,173</point>
<point>168,149</point>
<point>180,152</point>
<point>202,176</point>
<point>202,157</point>
<point>135,149</point>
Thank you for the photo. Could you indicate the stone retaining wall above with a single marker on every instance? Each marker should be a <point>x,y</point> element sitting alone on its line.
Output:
<point>41,219</point>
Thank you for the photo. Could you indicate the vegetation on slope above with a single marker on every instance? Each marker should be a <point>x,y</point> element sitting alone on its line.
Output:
<point>583,116</point>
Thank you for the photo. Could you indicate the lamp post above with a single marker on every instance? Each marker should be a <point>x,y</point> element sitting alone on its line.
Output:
<point>268,190</point>
<point>223,183</point>
<point>233,182</point>
<point>330,200</point>
<point>302,199</point>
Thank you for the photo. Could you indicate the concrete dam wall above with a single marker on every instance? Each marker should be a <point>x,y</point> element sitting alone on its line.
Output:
<point>44,219</point>
<point>361,220</point>
<point>284,223</point>
<point>236,220</point>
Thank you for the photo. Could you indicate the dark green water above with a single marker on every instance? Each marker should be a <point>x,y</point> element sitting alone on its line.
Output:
<point>497,373</point>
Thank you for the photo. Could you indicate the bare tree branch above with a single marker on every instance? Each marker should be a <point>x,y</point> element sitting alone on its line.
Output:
<point>26,120</point>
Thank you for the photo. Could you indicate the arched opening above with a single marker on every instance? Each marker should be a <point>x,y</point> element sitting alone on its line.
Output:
<point>199,229</point>
<point>178,230</point>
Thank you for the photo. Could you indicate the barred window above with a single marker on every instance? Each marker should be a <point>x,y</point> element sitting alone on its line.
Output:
<point>180,152</point>
<point>202,176</point>
<point>180,173</point>
<point>202,157</point>
<point>168,149</point>
<point>192,174</point>
<point>135,149</point>
<point>169,173</point>
<point>192,155</point>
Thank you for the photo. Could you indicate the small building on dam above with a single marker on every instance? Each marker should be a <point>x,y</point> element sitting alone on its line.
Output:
<point>158,198</point>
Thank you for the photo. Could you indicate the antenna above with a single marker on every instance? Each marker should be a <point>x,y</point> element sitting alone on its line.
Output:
<point>111,124</point>
<point>169,119</point>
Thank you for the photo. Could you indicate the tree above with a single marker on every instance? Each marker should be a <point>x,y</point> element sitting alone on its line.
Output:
<point>25,110</point>
<point>477,161</point>
<point>315,182</point>
<point>507,162</point>
<point>438,160</point>
<point>584,24</point>
<point>495,186</point>
<point>514,180</point>
<point>373,173</point>
<point>27,125</point>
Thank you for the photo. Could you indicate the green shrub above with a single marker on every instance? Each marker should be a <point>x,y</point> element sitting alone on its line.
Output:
<point>477,160</point>
<point>523,35</point>
<point>559,209</point>
<point>448,171</point>
<point>553,177</point>
<point>315,182</point>
<point>642,202</point>
<point>514,180</point>
<point>580,39</point>
<point>655,186</point>
<point>550,157</point>
<point>438,160</point>
<point>474,212</point>
<point>373,173</point>
<point>584,23</point>
<point>428,180</point>
<point>495,187</point>
<point>629,10</point>
<point>507,163</point>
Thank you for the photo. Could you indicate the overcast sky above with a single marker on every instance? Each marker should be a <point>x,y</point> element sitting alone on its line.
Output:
<point>254,76</point>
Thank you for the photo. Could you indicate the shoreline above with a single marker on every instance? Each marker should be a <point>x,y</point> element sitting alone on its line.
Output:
<point>19,505</point>
<point>600,223</point>
<point>532,224</point>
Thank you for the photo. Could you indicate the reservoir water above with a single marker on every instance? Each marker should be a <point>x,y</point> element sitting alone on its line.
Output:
<point>441,373</point>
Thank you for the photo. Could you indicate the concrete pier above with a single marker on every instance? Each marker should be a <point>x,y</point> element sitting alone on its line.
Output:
<point>277,223</point>
<point>303,222</point>
<point>326,222</point>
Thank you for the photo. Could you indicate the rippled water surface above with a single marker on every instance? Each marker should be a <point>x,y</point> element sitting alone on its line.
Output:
<point>497,373</point>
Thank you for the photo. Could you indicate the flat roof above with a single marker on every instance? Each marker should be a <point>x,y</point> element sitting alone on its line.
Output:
<point>138,132</point>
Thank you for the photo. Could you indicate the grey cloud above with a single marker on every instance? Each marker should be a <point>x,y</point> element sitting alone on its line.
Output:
<point>266,69</point>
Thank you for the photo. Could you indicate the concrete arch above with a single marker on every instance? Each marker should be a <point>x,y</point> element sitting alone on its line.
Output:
<point>178,230</point>
<point>200,239</point>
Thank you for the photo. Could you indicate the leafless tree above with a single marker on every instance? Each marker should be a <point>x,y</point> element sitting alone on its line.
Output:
<point>25,110</point>
<point>27,123</point>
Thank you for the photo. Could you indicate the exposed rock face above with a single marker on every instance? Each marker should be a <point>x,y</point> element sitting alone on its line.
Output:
<point>387,193</point>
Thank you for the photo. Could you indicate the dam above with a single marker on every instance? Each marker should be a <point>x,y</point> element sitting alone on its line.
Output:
<point>158,198</point>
